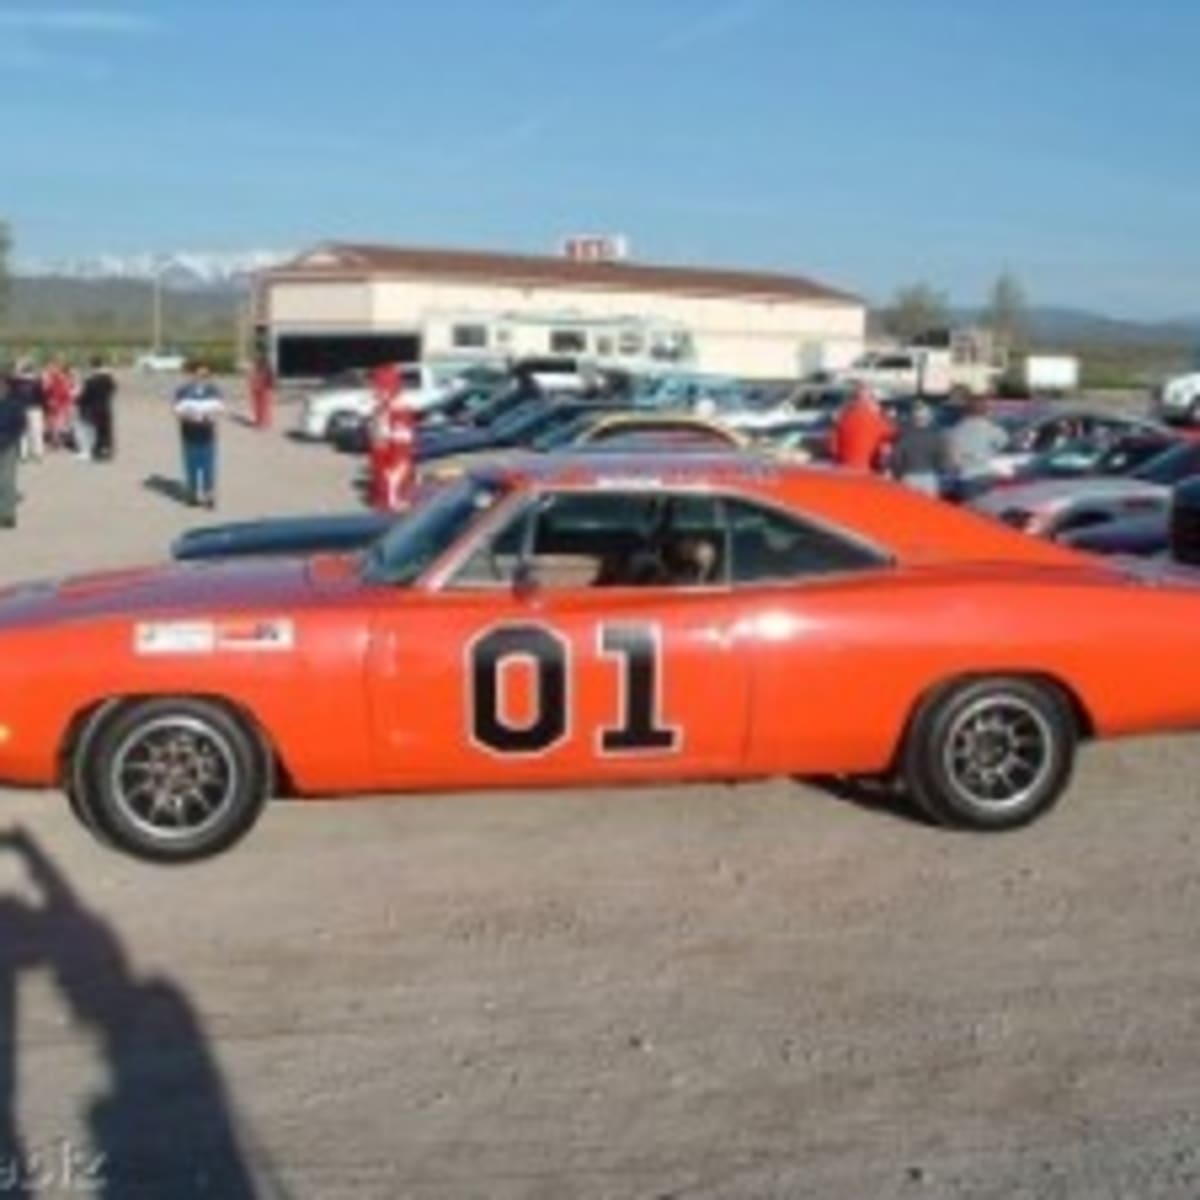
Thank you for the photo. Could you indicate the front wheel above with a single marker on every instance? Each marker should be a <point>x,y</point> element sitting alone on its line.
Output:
<point>990,754</point>
<point>173,780</point>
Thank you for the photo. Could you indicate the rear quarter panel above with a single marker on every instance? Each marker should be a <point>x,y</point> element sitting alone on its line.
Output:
<point>840,667</point>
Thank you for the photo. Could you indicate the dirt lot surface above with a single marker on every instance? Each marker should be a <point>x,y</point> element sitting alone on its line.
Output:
<point>706,992</point>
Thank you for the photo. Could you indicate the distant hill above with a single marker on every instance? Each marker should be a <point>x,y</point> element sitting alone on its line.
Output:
<point>1076,326</point>
<point>121,310</point>
<point>184,271</point>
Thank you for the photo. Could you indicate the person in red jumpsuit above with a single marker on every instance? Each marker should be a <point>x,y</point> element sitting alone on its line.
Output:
<point>262,394</point>
<point>59,389</point>
<point>393,444</point>
<point>861,433</point>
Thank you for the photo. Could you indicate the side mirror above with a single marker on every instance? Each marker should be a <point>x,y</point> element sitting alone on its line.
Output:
<point>524,580</point>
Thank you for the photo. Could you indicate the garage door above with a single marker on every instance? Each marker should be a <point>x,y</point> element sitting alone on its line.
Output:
<point>317,356</point>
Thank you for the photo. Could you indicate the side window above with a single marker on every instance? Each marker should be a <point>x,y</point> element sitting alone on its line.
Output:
<point>770,545</point>
<point>568,341</point>
<point>607,539</point>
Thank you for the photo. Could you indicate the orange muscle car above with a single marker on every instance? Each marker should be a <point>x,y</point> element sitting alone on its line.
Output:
<point>595,619</point>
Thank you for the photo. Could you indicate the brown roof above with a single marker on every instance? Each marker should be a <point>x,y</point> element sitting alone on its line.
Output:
<point>340,259</point>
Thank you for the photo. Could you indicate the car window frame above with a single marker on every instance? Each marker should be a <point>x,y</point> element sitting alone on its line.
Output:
<point>443,576</point>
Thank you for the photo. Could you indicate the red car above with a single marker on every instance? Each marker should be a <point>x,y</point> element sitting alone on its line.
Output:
<point>595,620</point>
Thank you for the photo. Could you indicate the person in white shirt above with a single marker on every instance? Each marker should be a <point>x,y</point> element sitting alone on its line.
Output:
<point>199,405</point>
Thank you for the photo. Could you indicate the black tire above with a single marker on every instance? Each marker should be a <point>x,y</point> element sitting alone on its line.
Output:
<point>172,780</point>
<point>990,754</point>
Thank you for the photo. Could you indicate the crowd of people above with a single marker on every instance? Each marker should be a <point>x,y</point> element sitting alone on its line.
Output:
<point>920,454</point>
<point>52,410</point>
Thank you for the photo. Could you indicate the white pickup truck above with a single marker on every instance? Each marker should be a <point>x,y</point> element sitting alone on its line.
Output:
<point>1178,400</point>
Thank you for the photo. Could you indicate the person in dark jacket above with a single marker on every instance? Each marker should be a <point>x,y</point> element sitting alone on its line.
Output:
<point>920,457</point>
<point>12,431</point>
<point>95,407</point>
<point>28,386</point>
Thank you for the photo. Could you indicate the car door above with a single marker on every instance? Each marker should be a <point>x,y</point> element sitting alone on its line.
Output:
<point>517,669</point>
<point>814,624</point>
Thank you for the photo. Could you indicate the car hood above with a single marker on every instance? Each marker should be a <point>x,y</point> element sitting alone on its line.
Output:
<point>335,396</point>
<point>445,442</point>
<point>178,589</point>
<point>1047,493</point>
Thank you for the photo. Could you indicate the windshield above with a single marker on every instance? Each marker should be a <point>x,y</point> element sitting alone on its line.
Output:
<point>402,556</point>
<point>1171,466</point>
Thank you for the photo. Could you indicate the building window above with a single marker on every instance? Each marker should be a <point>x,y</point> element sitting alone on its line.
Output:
<point>568,341</point>
<point>604,346</point>
<point>469,337</point>
<point>631,344</point>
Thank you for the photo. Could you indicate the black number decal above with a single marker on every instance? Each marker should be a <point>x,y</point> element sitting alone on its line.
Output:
<point>549,655</point>
<point>641,728</point>
<point>638,652</point>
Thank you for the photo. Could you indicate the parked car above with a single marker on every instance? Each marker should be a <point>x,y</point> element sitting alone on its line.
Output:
<point>581,427</point>
<point>1178,400</point>
<point>1034,429</point>
<point>456,415</point>
<point>351,395</point>
<point>707,622</point>
<point>1139,536</point>
<point>323,533</point>
<point>1075,459</point>
<point>161,362</point>
<point>1184,530</point>
<point>1051,508</point>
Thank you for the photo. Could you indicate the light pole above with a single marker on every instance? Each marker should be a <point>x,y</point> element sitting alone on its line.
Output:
<point>157,305</point>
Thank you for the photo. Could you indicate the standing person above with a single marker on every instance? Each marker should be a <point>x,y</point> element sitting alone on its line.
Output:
<point>974,441</point>
<point>60,393</point>
<point>28,386</point>
<point>198,406</point>
<point>262,393</point>
<point>919,458</point>
<point>861,432</point>
<point>96,409</point>
<point>393,442</point>
<point>12,430</point>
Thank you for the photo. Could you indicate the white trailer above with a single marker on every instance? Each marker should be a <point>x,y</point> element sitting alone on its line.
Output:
<point>1050,374</point>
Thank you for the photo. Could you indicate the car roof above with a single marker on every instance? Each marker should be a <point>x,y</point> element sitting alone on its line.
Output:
<point>911,526</point>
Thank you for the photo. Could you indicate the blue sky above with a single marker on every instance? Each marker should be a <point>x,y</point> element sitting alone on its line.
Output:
<point>867,142</point>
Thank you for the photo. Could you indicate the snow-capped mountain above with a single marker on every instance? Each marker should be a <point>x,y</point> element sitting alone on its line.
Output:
<point>185,271</point>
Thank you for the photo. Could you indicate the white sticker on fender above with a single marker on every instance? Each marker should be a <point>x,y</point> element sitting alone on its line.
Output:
<point>175,637</point>
<point>257,636</point>
<point>249,636</point>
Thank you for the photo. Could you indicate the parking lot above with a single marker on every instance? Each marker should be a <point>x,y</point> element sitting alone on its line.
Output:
<point>753,991</point>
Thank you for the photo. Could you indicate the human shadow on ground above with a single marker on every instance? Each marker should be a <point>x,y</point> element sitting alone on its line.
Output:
<point>170,489</point>
<point>163,1126</point>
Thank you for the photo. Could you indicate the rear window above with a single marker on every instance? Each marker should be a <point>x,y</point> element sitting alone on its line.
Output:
<point>769,545</point>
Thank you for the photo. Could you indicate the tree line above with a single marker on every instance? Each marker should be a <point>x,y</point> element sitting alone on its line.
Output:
<point>919,308</point>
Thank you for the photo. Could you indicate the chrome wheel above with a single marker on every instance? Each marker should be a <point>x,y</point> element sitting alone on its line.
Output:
<point>174,777</point>
<point>999,752</point>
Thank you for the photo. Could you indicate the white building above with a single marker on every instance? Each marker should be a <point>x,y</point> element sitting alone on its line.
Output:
<point>353,305</point>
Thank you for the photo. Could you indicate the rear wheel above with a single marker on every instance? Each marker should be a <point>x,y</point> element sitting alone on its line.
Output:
<point>990,754</point>
<point>172,780</point>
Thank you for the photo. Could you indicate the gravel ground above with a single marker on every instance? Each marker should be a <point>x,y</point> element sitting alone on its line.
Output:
<point>713,992</point>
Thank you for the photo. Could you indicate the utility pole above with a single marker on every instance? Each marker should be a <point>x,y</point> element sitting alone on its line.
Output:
<point>157,312</point>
